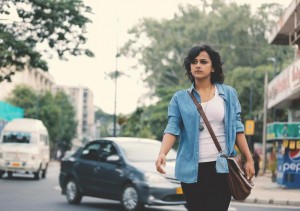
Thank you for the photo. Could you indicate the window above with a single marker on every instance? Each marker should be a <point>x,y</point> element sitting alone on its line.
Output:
<point>98,151</point>
<point>17,137</point>
<point>106,150</point>
<point>91,152</point>
<point>44,139</point>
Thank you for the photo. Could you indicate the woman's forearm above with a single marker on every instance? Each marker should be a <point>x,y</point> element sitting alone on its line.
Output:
<point>167,143</point>
<point>242,144</point>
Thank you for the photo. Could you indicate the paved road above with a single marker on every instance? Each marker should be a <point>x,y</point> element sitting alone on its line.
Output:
<point>23,193</point>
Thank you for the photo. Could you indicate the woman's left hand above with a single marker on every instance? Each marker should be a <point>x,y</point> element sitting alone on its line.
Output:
<point>249,169</point>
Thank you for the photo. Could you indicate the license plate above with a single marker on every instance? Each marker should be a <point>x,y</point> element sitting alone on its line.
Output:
<point>16,164</point>
<point>179,190</point>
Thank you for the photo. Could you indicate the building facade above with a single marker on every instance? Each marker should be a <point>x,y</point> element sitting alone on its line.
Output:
<point>284,89</point>
<point>35,78</point>
<point>83,101</point>
<point>283,92</point>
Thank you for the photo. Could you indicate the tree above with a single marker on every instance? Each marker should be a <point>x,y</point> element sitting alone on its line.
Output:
<point>58,24</point>
<point>56,112</point>
<point>237,33</point>
<point>160,46</point>
<point>136,125</point>
<point>105,119</point>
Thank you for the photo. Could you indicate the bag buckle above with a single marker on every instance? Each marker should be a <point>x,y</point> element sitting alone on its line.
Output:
<point>223,154</point>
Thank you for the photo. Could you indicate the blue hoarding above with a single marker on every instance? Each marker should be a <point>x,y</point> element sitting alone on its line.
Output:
<point>288,167</point>
<point>9,112</point>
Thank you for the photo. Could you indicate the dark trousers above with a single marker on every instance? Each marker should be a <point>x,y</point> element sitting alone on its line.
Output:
<point>210,192</point>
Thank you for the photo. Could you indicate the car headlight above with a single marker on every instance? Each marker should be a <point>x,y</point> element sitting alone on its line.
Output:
<point>155,178</point>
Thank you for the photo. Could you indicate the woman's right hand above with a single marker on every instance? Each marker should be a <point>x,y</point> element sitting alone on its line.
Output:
<point>161,163</point>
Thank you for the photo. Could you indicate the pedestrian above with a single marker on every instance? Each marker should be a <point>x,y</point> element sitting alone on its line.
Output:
<point>198,164</point>
<point>256,159</point>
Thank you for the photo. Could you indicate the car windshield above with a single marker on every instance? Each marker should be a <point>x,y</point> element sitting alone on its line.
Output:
<point>17,137</point>
<point>143,151</point>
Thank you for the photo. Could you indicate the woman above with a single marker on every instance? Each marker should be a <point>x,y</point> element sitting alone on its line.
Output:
<point>204,188</point>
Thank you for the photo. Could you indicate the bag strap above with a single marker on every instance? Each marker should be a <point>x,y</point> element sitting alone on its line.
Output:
<point>210,130</point>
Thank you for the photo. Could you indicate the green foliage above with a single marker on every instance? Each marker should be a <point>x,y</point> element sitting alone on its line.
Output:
<point>137,125</point>
<point>232,29</point>
<point>105,119</point>
<point>56,112</point>
<point>58,24</point>
<point>237,33</point>
<point>24,97</point>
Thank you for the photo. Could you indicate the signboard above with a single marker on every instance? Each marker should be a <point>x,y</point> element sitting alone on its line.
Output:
<point>249,127</point>
<point>9,112</point>
<point>283,131</point>
<point>284,85</point>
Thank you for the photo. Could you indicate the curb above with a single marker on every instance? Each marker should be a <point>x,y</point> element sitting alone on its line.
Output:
<point>271,201</point>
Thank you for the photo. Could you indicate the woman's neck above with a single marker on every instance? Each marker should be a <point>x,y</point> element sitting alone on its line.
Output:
<point>203,85</point>
<point>206,90</point>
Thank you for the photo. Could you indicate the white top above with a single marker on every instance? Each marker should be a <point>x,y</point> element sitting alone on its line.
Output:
<point>215,113</point>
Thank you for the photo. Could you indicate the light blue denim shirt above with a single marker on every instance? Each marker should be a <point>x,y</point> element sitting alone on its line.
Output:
<point>184,120</point>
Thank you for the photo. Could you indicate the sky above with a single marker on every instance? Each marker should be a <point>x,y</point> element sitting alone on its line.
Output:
<point>107,33</point>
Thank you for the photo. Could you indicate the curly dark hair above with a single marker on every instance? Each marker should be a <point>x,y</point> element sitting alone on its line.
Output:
<point>217,76</point>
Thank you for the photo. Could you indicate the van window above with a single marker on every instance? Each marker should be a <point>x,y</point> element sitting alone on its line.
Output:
<point>44,139</point>
<point>18,137</point>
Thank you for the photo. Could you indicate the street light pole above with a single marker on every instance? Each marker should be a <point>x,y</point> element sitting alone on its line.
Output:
<point>274,61</point>
<point>264,153</point>
<point>116,75</point>
<point>250,140</point>
<point>115,103</point>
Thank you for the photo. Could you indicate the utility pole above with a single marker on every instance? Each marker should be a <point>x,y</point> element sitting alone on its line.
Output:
<point>274,61</point>
<point>115,103</point>
<point>250,140</point>
<point>116,75</point>
<point>264,141</point>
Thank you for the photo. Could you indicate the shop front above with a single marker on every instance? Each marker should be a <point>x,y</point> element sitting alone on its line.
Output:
<point>286,143</point>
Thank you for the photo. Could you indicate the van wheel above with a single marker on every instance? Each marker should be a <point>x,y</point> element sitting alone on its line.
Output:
<point>72,192</point>
<point>131,199</point>
<point>38,174</point>
<point>44,172</point>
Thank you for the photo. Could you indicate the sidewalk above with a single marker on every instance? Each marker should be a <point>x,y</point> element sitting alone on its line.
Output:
<point>267,192</point>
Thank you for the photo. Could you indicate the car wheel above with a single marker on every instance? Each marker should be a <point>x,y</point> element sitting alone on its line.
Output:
<point>131,199</point>
<point>72,192</point>
<point>9,174</point>
<point>1,173</point>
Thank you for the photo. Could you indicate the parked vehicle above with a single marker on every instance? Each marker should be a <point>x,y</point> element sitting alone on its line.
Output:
<point>24,148</point>
<point>123,169</point>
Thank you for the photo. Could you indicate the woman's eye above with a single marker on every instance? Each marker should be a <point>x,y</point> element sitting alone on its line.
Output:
<point>201,62</point>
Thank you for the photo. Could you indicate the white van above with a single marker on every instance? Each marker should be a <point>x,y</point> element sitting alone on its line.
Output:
<point>24,148</point>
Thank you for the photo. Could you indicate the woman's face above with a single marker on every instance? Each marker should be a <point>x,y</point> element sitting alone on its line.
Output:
<point>201,66</point>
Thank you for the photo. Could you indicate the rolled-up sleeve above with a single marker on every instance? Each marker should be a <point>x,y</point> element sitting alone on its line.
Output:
<point>174,117</point>
<point>239,125</point>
